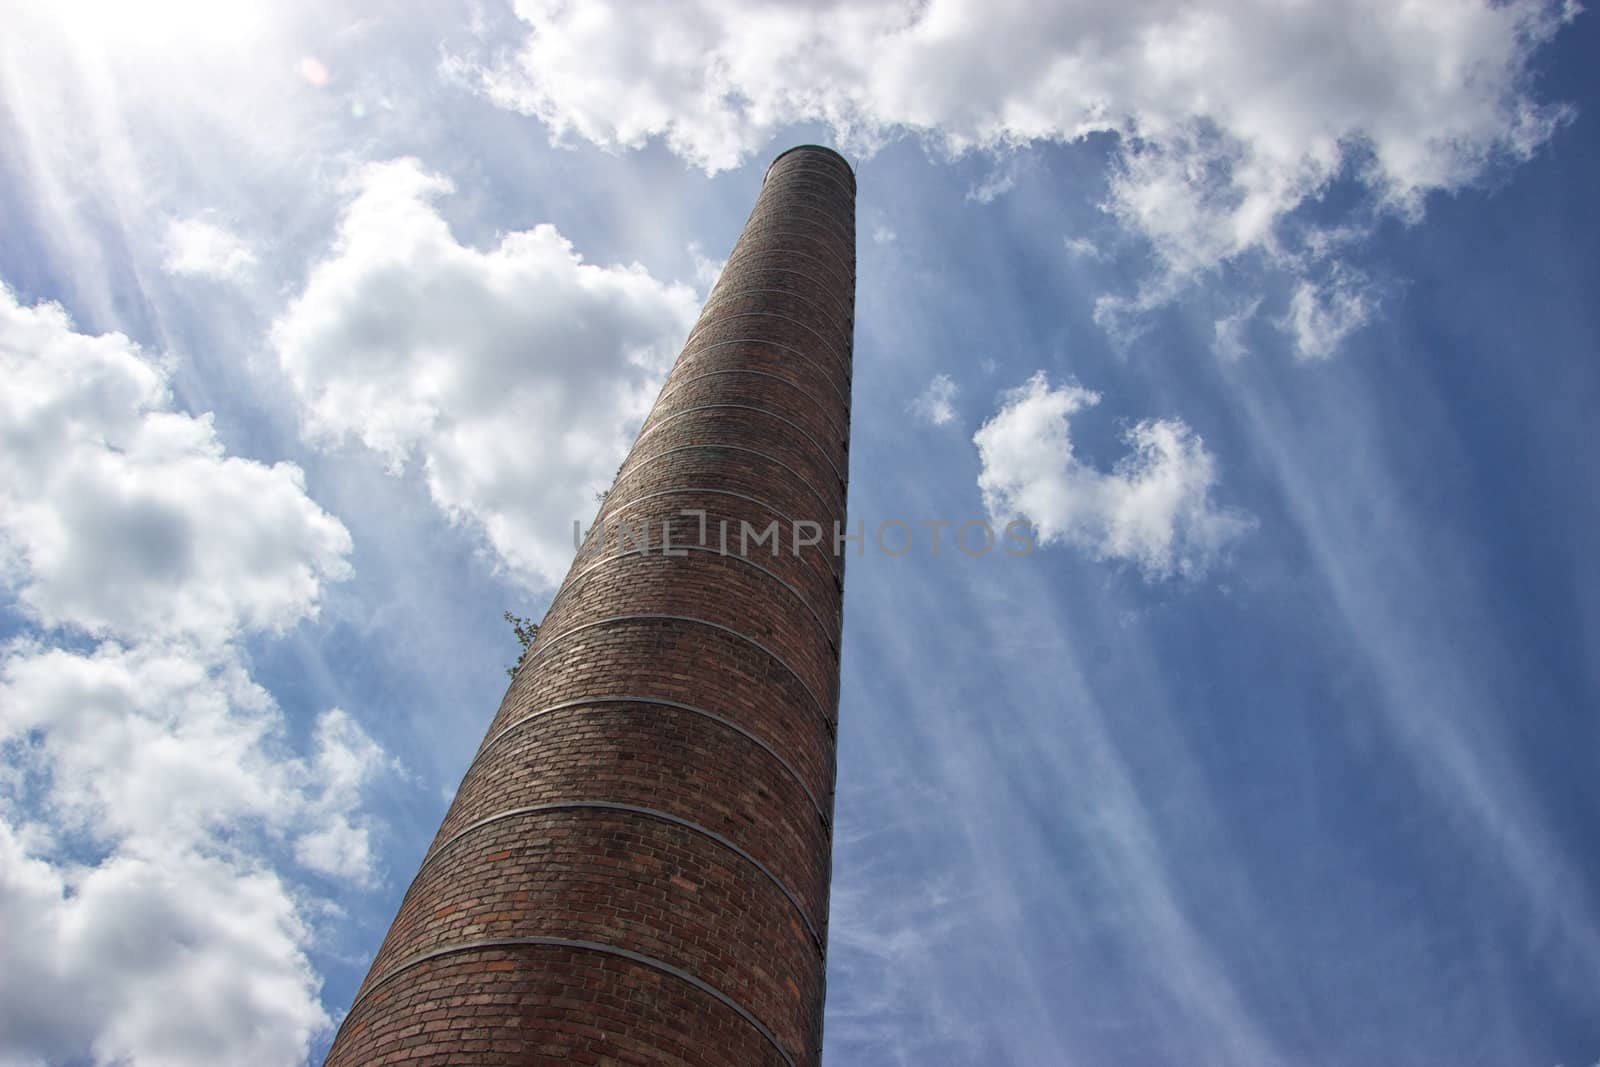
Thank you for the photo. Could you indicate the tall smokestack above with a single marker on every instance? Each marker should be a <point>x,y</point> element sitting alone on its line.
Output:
<point>635,868</point>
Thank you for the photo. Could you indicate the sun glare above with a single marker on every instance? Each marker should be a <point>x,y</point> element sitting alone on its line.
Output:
<point>163,26</point>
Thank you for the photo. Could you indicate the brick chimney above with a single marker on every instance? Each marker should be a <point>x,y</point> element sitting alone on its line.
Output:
<point>635,867</point>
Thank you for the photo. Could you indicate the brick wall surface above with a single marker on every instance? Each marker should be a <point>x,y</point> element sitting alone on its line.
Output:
<point>635,867</point>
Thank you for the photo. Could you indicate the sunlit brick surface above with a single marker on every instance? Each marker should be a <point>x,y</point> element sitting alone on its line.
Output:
<point>635,868</point>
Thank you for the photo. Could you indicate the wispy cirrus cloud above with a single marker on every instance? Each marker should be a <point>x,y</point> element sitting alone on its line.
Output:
<point>1229,340</point>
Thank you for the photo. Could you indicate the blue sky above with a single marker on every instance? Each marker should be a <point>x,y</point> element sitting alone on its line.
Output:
<point>320,327</point>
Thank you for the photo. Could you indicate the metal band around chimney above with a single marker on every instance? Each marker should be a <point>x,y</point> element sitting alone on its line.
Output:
<point>629,471</point>
<point>489,944</point>
<point>844,364</point>
<point>770,230</point>
<point>628,809</point>
<point>674,384</point>
<point>822,449</point>
<point>740,267</point>
<point>542,644</point>
<point>815,150</point>
<point>606,512</point>
<point>742,259</point>
<point>796,170</point>
<point>828,320</point>
<point>810,203</point>
<point>589,701</point>
<point>572,580</point>
<point>748,263</point>
<point>713,305</point>
<point>690,351</point>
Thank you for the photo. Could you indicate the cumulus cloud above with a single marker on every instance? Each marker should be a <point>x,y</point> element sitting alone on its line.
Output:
<point>144,742</point>
<point>121,516</point>
<point>514,376</point>
<point>200,247</point>
<point>936,403</point>
<point>153,956</point>
<point>178,942</point>
<point>1229,115</point>
<point>335,838</point>
<point>164,744</point>
<point>150,781</point>
<point>1153,509</point>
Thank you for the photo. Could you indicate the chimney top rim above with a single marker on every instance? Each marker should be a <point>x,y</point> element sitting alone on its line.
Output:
<point>815,148</point>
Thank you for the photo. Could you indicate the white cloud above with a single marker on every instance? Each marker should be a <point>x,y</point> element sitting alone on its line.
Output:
<point>1229,341</point>
<point>1083,248</point>
<point>998,183</point>
<point>154,956</point>
<point>121,516</point>
<point>1153,509</point>
<point>883,235</point>
<point>339,841</point>
<point>196,246</point>
<point>935,404</point>
<point>145,742</point>
<point>1322,314</point>
<point>339,849</point>
<point>149,923</point>
<point>168,744</point>
<point>1230,114</point>
<point>515,376</point>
